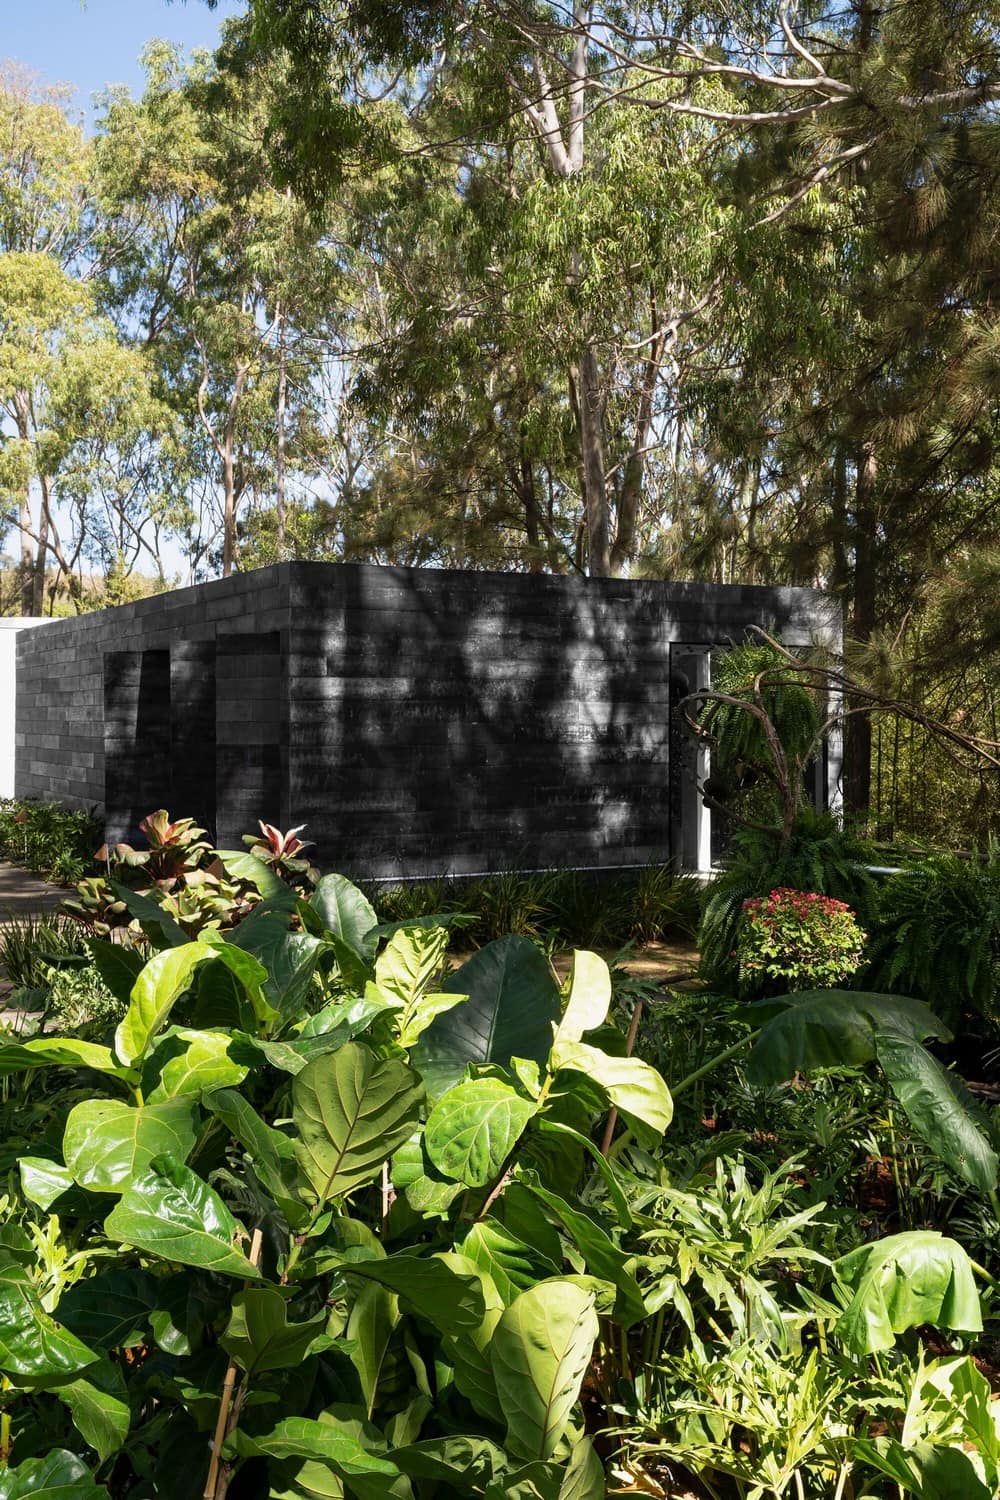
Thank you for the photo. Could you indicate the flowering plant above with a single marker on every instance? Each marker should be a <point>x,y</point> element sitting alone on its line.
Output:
<point>805,940</point>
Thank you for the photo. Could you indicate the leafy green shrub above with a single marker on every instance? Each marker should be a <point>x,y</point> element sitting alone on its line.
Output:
<point>821,857</point>
<point>938,936</point>
<point>29,944</point>
<point>804,940</point>
<point>52,840</point>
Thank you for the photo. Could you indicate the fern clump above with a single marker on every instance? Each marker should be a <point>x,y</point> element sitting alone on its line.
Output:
<point>939,936</point>
<point>739,741</point>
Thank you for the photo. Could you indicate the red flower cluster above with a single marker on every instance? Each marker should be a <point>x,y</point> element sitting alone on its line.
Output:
<point>799,937</point>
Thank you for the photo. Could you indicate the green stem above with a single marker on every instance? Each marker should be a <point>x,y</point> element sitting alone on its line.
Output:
<point>715,1062</point>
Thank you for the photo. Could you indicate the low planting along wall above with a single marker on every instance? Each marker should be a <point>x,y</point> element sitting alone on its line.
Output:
<point>418,721</point>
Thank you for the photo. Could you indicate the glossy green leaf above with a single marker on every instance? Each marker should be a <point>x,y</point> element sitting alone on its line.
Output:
<point>405,967</point>
<point>832,1029</point>
<point>43,1181</point>
<point>119,966</point>
<point>34,1348</point>
<point>272,1153</point>
<point>98,1404</point>
<point>513,1004</point>
<point>466,1463</point>
<point>369,1476</point>
<point>247,970</point>
<point>59,1475</point>
<point>512,1265</point>
<point>473,1128</point>
<point>630,1084</point>
<point>169,1212</point>
<point>936,1107</point>
<point>903,1281</point>
<point>259,1336</point>
<point>450,1299</point>
<point>239,864</point>
<point>351,1113</point>
<point>370,1327</point>
<point>589,997</point>
<point>161,983</point>
<point>583,1478</point>
<point>158,925</point>
<point>926,1471</point>
<point>111,1310</point>
<point>288,959</point>
<point>540,1352</point>
<point>601,1255</point>
<point>604,1167</point>
<point>107,1143</point>
<point>189,1061</point>
<point>347,914</point>
<point>469,1352</point>
<point>64,1052</point>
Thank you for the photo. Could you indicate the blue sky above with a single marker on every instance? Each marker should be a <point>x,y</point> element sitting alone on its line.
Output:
<point>91,43</point>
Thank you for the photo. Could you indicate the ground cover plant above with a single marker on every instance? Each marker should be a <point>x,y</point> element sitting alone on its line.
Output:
<point>307,1211</point>
<point>50,839</point>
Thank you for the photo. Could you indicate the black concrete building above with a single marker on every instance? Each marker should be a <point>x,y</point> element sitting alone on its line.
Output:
<point>417,721</point>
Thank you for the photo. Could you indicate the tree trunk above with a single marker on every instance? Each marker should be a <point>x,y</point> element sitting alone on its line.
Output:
<point>26,569</point>
<point>858,737</point>
<point>529,499</point>
<point>595,490</point>
<point>279,469</point>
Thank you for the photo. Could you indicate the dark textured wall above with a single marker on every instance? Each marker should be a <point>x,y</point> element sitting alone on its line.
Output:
<point>416,720</point>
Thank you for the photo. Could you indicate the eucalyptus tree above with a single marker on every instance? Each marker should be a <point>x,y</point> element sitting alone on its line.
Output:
<point>223,282</point>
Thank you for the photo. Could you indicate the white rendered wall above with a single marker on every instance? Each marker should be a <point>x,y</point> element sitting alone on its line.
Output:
<point>9,626</point>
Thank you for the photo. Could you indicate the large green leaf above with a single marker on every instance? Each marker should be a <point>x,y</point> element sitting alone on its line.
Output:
<point>272,1153</point>
<point>170,1213</point>
<point>239,864</point>
<point>936,1108</point>
<point>186,1061</point>
<point>247,971</point>
<point>540,1351</point>
<point>107,1143</point>
<point>902,1281</point>
<point>110,1310</point>
<point>632,1086</point>
<point>158,925</point>
<point>583,1478</point>
<point>451,1299</point>
<point>43,1181</point>
<point>832,1029</point>
<point>98,1404</point>
<point>60,1475</point>
<point>474,1127</point>
<point>64,1052</point>
<point>513,1004</point>
<point>369,1476</point>
<point>589,997</point>
<point>512,1265</point>
<point>926,1471</point>
<point>288,959</point>
<point>351,1112</point>
<point>118,966</point>
<point>259,1336</point>
<point>161,983</point>
<point>347,914</point>
<point>371,1328</point>
<point>403,974</point>
<point>469,1351</point>
<point>600,1253</point>
<point>34,1348</point>
<point>463,1463</point>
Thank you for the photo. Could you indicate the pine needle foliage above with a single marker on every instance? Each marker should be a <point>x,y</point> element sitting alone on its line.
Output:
<point>739,740</point>
<point>939,935</point>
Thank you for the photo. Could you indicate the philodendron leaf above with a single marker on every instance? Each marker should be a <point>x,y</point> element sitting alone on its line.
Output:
<point>58,1476</point>
<point>160,984</point>
<point>351,1112</point>
<point>903,1281</point>
<point>473,1129</point>
<point>539,1353</point>
<point>98,1404</point>
<point>34,1348</point>
<point>513,1004</point>
<point>589,997</point>
<point>170,1213</point>
<point>631,1084</point>
<point>107,1143</point>
<point>832,1029</point>
<point>935,1107</point>
<point>259,1336</point>
<point>451,1299</point>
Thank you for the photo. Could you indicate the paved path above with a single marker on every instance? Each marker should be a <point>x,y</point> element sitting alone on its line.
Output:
<point>22,892</point>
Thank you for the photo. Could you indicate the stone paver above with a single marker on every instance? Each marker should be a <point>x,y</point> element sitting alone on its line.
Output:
<point>22,893</point>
